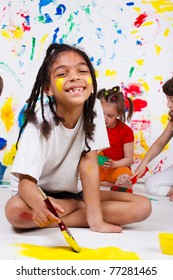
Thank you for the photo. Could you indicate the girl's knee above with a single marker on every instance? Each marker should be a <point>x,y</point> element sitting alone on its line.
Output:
<point>145,208</point>
<point>12,212</point>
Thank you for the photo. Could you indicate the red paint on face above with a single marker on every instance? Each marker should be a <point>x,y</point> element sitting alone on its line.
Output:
<point>140,19</point>
<point>26,216</point>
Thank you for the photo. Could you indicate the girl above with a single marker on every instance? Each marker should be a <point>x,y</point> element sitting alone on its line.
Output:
<point>59,142</point>
<point>160,183</point>
<point>116,171</point>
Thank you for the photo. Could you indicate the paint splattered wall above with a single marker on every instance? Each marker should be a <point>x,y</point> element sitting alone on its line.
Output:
<point>129,43</point>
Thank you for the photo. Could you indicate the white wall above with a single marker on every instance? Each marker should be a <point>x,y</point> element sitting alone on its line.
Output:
<point>129,43</point>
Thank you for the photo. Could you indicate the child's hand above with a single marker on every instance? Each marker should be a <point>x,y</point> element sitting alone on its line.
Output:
<point>43,217</point>
<point>139,172</point>
<point>109,164</point>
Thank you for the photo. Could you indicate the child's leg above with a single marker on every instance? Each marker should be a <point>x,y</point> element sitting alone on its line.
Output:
<point>118,208</point>
<point>161,183</point>
<point>20,215</point>
<point>120,176</point>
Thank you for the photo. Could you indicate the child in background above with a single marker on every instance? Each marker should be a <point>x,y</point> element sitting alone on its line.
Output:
<point>116,171</point>
<point>1,85</point>
<point>161,183</point>
<point>57,144</point>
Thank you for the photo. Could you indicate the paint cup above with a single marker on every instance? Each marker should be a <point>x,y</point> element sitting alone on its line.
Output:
<point>102,159</point>
<point>166,242</point>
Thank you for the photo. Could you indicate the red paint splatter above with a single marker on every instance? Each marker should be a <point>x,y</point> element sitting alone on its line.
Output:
<point>140,124</point>
<point>26,216</point>
<point>139,104</point>
<point>132,90</point>
<point>140,19</point>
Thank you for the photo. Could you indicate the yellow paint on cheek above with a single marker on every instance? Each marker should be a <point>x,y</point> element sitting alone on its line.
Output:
<point>89,81</point>
<point>66,253</point>
<point>59,84</point>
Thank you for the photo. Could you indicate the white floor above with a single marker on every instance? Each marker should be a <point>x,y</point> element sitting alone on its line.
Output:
<point>141,238</point>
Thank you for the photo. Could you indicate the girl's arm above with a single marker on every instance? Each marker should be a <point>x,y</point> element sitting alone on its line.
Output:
<point>89,174</point>
<point>127,160</point>
<point>155,149</point>
<point>30,194</point>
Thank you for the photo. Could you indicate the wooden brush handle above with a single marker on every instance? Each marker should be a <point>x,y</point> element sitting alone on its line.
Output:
<point>52,209</point>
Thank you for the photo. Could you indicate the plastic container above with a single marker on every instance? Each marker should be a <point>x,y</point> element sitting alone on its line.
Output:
<point>166,242</point>
<point>102,159</point>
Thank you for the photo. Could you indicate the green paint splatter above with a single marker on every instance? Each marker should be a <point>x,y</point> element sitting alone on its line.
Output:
<point>131,71</point>
<point>33,47</point>
<point>8,69</point>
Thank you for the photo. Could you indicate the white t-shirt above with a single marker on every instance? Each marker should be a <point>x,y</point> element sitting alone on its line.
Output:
<point>53,162</point>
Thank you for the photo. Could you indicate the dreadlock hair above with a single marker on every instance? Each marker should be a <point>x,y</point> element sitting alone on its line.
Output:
<point>37,93</point>
<point>168,90</point>
<point>114,95</point>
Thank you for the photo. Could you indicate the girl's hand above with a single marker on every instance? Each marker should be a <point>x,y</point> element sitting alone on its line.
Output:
<point>43,217</point>
<point>109,164</point>
<point>106,228</point>
<point>139,172</point>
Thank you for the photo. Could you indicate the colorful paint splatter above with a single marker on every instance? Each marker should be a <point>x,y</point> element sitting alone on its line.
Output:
<point>129,43</point>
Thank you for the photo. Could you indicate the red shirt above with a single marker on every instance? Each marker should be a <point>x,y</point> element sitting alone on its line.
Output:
<point>118,136</point>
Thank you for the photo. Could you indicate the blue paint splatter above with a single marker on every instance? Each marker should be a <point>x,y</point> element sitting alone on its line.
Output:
<point>3,143</point>
<point>115,41</point>
<point>79,40</point>
<point>99,61</point>
<point>21,117</point>
<point>44,3</point>
<point>60,10</point>
<point>119,31</point>
<point>47,18</point>
<point>55,35</point>
<point>91,58</point>
<point>130,4</point>
<point>139,43</point>
<point>2,170</point>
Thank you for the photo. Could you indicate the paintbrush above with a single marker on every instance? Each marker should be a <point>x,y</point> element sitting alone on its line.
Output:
<point>65,231</point>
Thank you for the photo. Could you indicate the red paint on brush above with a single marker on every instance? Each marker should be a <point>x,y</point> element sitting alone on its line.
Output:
<point>140,19</point>
<point>26,216</point>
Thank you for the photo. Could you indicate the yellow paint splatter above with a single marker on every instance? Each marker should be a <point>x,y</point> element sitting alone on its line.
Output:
<point>166,33</point>
<point>59,83</point>
<point>66,253</point>
<point>7,114</point>
<point>160,6</point>
<point>9,156</point>
<point>42,41</point>
<point>147,23</point>
<point>140,61</point>
<point>144,84</point>
<point>158,78</point>
<point>110,73</point>
<point>96,73</point>
<point>164,120</point>
<point>143,141</point>
<point>158,49</point>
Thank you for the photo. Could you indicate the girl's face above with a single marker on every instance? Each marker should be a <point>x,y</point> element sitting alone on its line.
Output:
<point>170,102</point>
<point>71,82</point>
<point>110,113</point>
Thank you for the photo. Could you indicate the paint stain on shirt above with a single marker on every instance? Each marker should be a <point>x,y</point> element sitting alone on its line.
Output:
<point>66,253</point>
